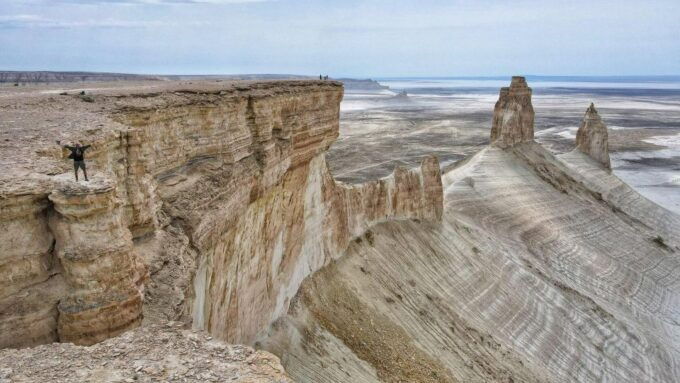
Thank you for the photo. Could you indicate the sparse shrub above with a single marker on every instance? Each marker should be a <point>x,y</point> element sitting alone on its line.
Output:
<point>660,242</point>
<point>369,237</point>
<point>86,98</point>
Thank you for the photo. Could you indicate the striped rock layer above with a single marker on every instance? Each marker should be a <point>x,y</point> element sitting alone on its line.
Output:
<point>207,203</point>
<point>218,209</point>
<point>543,269</point>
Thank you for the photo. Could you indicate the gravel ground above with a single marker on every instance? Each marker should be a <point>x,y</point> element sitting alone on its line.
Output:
<point>155,353</point>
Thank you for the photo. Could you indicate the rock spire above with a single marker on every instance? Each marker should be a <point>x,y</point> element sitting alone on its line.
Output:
<point>592,137</point>
<point>513,116</point>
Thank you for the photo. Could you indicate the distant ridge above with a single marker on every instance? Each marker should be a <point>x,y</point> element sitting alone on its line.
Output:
<point>22,77</point>
<point>562,78</point>
<point>350,82</point>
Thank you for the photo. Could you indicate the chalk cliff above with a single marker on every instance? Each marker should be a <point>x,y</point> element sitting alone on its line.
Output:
<point>208,203</point>
<point>212,204</point>
<point>592,137</point>
<point>543,269</point>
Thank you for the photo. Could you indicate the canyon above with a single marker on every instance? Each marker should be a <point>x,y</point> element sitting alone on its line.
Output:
<point>211,210</point>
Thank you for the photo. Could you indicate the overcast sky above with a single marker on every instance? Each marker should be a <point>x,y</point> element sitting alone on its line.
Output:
<point>343,38</point>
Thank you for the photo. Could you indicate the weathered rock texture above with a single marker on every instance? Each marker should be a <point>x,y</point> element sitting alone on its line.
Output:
<point>543,269</point>
<point>208,203</point>
<point>103,277</point>
<point>592,138</point>
<point>294,229</point>
<point>156,353</point>
<point>513,115</point>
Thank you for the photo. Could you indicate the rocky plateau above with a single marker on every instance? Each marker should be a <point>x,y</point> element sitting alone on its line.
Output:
<point>211,217</point>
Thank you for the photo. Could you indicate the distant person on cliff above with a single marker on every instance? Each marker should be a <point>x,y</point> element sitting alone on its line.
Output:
<point>78,157</point>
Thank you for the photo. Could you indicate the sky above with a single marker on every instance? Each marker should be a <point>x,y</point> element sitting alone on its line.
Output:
<point>370,38</point>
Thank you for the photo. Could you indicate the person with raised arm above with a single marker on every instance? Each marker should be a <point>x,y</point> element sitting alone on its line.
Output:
<point>78,157</point>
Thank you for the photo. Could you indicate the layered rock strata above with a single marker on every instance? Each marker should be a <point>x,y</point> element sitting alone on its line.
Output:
<point>543,269</point>
<point>294,229</point>
<point>208,203</point>
<point>513,115</point>
<point>592,138</point>
<point>103,277</point>
<point>28,314</point>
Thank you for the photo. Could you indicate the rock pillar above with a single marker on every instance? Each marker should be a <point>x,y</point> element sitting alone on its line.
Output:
<point>513,115</point>
<point>95,249</point>
<point>592,137</point>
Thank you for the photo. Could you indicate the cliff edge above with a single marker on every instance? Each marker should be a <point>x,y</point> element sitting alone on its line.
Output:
<point>208,203</point>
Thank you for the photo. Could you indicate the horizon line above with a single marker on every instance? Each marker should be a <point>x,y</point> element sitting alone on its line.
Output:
<point>350,76</point>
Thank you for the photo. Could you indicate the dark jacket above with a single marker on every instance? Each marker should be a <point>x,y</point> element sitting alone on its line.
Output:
<point>77,153</point>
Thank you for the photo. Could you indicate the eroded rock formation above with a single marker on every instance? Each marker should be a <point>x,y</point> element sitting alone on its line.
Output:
<point>592,137</point>
<point>103,278</point>
<point>543,269</point>
<point>513,115</point>
<point>296,228</point>
<point>210,204</point>
<point>529,267</point>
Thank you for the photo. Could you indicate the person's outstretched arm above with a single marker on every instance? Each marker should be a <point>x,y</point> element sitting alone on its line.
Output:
<point>65,146</point>
<point>85,147</point>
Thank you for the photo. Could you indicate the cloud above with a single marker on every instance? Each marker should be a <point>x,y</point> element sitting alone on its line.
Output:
<point>36,21</point>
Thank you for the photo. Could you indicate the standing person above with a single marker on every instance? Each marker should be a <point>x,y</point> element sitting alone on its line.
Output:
<point>320,78</point>
<point>78,157</point>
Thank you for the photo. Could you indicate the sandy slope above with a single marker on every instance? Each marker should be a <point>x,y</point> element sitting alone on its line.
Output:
<point>543,269</point>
